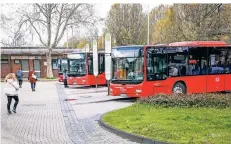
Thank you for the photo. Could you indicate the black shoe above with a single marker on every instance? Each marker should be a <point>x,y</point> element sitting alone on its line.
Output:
<point>14,110</point>
<point>9,112</point>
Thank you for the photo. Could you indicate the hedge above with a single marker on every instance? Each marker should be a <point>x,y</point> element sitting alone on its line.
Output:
<point>189,100</point>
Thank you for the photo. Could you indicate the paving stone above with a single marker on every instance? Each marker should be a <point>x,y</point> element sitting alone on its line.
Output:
<point>87,115</point>
<point>44,117</point>
<point>38,119</point>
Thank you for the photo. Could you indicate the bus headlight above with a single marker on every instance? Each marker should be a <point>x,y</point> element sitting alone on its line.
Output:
<point>111,90</point>
<point>138,91</point>
<point>83,81</point>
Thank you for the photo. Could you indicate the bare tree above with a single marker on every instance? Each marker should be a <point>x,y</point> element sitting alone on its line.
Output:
<point>14,33</point>
<point>50,21</point>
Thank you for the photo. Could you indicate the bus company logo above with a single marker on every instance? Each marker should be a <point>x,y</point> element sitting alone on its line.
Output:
<point>122,89</point>
<point>217,79</point>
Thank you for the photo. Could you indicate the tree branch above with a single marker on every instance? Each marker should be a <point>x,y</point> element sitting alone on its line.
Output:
<point>41,9</point>
<point>65,25</point>
<point>59,25</point>
<point>40,38</point>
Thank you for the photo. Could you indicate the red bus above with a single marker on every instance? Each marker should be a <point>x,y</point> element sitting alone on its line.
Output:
<point>62,64</point>
<point>181,67</point>
<point>80,69</point>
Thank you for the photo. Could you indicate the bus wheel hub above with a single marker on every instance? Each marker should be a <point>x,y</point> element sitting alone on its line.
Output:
<point>178,90</point>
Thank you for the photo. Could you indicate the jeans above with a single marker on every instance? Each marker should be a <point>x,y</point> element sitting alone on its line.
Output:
<point>9,102</point>
<point>20,82</point>
<point>65,82</point>
<point>33,86</point>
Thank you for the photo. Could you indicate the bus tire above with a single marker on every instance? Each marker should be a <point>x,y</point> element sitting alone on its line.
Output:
<point>179,87</point>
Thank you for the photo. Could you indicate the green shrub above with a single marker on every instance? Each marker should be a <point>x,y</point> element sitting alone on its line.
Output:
<point>189,100</point>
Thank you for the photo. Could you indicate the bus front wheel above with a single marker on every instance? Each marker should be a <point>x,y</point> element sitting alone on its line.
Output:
<point>179,87</point>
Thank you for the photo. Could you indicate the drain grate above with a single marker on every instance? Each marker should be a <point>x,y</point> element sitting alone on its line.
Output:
<point>34,105</point>
<point>85,96</point>
<point>70,99</point>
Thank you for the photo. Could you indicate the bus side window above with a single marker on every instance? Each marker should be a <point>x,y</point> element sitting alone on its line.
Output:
<point>204,67</point>
<point>149,69</point>
<point>90,64</point>
<point>178,64</point>
<point>101,63</point>
<point>217,63</point>
<point>197,63</point>
<point>228,60</point>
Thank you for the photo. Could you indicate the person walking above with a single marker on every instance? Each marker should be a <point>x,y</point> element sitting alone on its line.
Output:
<point>65,78</point>
<point>32,78</point>
<point>19,76</point>
<point>11,91</point>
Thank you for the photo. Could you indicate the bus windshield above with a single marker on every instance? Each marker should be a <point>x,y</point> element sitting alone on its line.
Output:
<point>77,65</point>
<point>62,64</point>
<point>127,64</point>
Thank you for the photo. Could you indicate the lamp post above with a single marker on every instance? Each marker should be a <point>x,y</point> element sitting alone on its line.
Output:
<point>72,37</point>
<point>96,36</point>
<point>67,37</point>
<point>148,27</point>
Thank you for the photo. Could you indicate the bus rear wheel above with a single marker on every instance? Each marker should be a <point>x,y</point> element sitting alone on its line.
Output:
<point>179,88</point>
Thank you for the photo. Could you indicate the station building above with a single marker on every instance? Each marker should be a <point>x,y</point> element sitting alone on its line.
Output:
<point>13,58</point>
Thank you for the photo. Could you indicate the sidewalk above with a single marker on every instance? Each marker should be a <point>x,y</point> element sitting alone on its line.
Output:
<point>39,79</point>
<point>45,117</point>
<point>38,119</point>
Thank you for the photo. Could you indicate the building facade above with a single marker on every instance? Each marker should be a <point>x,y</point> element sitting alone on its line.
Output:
<point>25,58</point>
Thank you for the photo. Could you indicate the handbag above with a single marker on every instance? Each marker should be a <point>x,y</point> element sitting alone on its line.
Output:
<point>34,76</point>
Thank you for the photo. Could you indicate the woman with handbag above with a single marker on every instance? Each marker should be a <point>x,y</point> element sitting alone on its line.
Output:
<point>11,91</point>
<point>32,78</point>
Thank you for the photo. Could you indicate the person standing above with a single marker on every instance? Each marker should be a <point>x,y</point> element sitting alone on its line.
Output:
<point>19,75</point>
<point>11,91</point>
<point>32,78</point>
<point>65,78</point>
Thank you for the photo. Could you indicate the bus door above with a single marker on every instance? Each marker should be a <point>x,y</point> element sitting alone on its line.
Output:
<point>215,83</point>
<point>216,72</point>
<point>101,64</point>
<point>228,69</point>
<point>157,72</point>
<point>228,81</point>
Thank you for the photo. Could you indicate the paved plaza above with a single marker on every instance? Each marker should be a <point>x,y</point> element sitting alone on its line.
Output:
<point>46,116</point>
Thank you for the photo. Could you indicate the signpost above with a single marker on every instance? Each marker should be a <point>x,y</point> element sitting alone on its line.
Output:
<point>108,59</point>
<point>95,60</point>
<point>87,48</point>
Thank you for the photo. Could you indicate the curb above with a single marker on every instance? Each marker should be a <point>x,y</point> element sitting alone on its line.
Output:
<point>132,137</point>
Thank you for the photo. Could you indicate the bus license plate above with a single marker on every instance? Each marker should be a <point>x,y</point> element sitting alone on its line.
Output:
<point>123,95</point>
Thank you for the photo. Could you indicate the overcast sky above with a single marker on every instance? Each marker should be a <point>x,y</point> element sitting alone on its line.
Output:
<point>101,9</point>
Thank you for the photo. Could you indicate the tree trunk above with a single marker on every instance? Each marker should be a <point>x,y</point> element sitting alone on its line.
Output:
<point>49,66</point>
